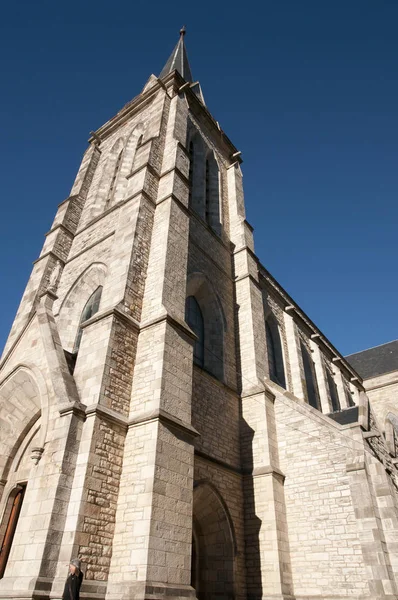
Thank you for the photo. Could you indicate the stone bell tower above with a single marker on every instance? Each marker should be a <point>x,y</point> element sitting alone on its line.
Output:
<point>168,413</point>
<point>106,355</point>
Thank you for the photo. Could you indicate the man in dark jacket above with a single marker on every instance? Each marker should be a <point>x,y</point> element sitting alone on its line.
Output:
<point>74,581</point>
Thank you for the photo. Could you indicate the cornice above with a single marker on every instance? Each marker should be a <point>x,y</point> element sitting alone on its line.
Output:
<point>105,237</point>
<point>107,414</point>
<point>173,321</point>
<point>162,415</point>
<point>132,323</point>
<point>74,408</point>
<point>60,226</point>
<point>218,462</point>
<point>114,207</point>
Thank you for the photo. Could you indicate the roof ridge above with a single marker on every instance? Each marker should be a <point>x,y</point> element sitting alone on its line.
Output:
<point>371,348</point>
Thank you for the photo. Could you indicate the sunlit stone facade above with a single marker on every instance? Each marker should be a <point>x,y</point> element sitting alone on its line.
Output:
<point>168,414</point>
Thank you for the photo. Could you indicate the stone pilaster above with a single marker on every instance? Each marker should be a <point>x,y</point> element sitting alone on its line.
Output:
<point>340,386</point>
<point>354,393</point>
<point>387,504</point>
<point>268,571</point>
<point>321,379</point>
<point>375,553</point>
<point>294,355</point>
<point>104,370</point>
<point>267,552</point>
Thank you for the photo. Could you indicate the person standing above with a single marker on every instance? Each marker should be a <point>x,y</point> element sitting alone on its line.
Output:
<point>74,581</point>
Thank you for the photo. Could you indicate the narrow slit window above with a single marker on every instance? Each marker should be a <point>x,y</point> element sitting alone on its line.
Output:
<point>194,318</point>
<point>334,396</point>
<point>348,395</point>
<point>207,196</point>
<point>310,378</point>
<point>191,158</point>
<point>114,177</point>
<point>274,351</point>
<point>138,145</point>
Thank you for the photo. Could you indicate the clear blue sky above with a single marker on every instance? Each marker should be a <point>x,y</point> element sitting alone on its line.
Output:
<point>307,90</point>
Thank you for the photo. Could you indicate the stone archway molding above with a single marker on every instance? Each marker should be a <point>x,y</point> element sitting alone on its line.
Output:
<point>200,286</point>
<point>25,380</point>
<point>215,542</point>
<point>69,312</point>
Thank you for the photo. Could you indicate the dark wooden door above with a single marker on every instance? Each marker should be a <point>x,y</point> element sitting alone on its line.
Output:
<point>10,530</point>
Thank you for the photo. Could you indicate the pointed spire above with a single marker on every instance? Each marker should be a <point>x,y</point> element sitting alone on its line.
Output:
<point>178,60</point>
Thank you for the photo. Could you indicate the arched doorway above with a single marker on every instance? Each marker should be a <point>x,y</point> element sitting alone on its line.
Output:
<point>9,524</point>
<point>213,545</point>
<point>23,428</point>
<point>23,400</point>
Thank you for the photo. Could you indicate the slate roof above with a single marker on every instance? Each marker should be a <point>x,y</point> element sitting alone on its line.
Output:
<point>375,361</point>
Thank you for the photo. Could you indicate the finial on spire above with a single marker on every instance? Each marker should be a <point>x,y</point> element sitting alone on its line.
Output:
<point>183,31</point>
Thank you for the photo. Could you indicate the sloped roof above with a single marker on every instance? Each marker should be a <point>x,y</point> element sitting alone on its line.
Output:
<point>375,361</point>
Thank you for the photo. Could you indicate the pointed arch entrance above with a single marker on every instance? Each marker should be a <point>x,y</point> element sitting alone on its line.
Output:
<point>23,399</point>
<point>24,410</point>
<point>213,545</point>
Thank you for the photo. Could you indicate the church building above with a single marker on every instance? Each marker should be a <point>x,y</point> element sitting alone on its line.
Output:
<point>168,414</point>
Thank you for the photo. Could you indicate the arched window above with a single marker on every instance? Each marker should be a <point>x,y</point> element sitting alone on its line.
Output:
<point>138,146</point>
<point>204,182</point>
<point>207,193</point>
<point>194,318</point>
<point>134,162</point>
<point>205,315</point>
<point>114,178</point>
<point>191,154</point>
<point>89,310</point>
<point>334,395</point>
<point>274,351</point>
<point>310,378</point>
<point>212,193</point>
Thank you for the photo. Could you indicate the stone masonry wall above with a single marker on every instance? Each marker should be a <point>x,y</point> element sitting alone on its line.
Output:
<point>94,233</point>
<point>378,447</point>
<point>383,395</point>
<point>139,260</point>
<point>106,146</point>
<point>102,487</point>
<point>325,548</point>
<point>76,266</point>
<point>215,415</point>
<point>208,256</point>
<point>118,376</point>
